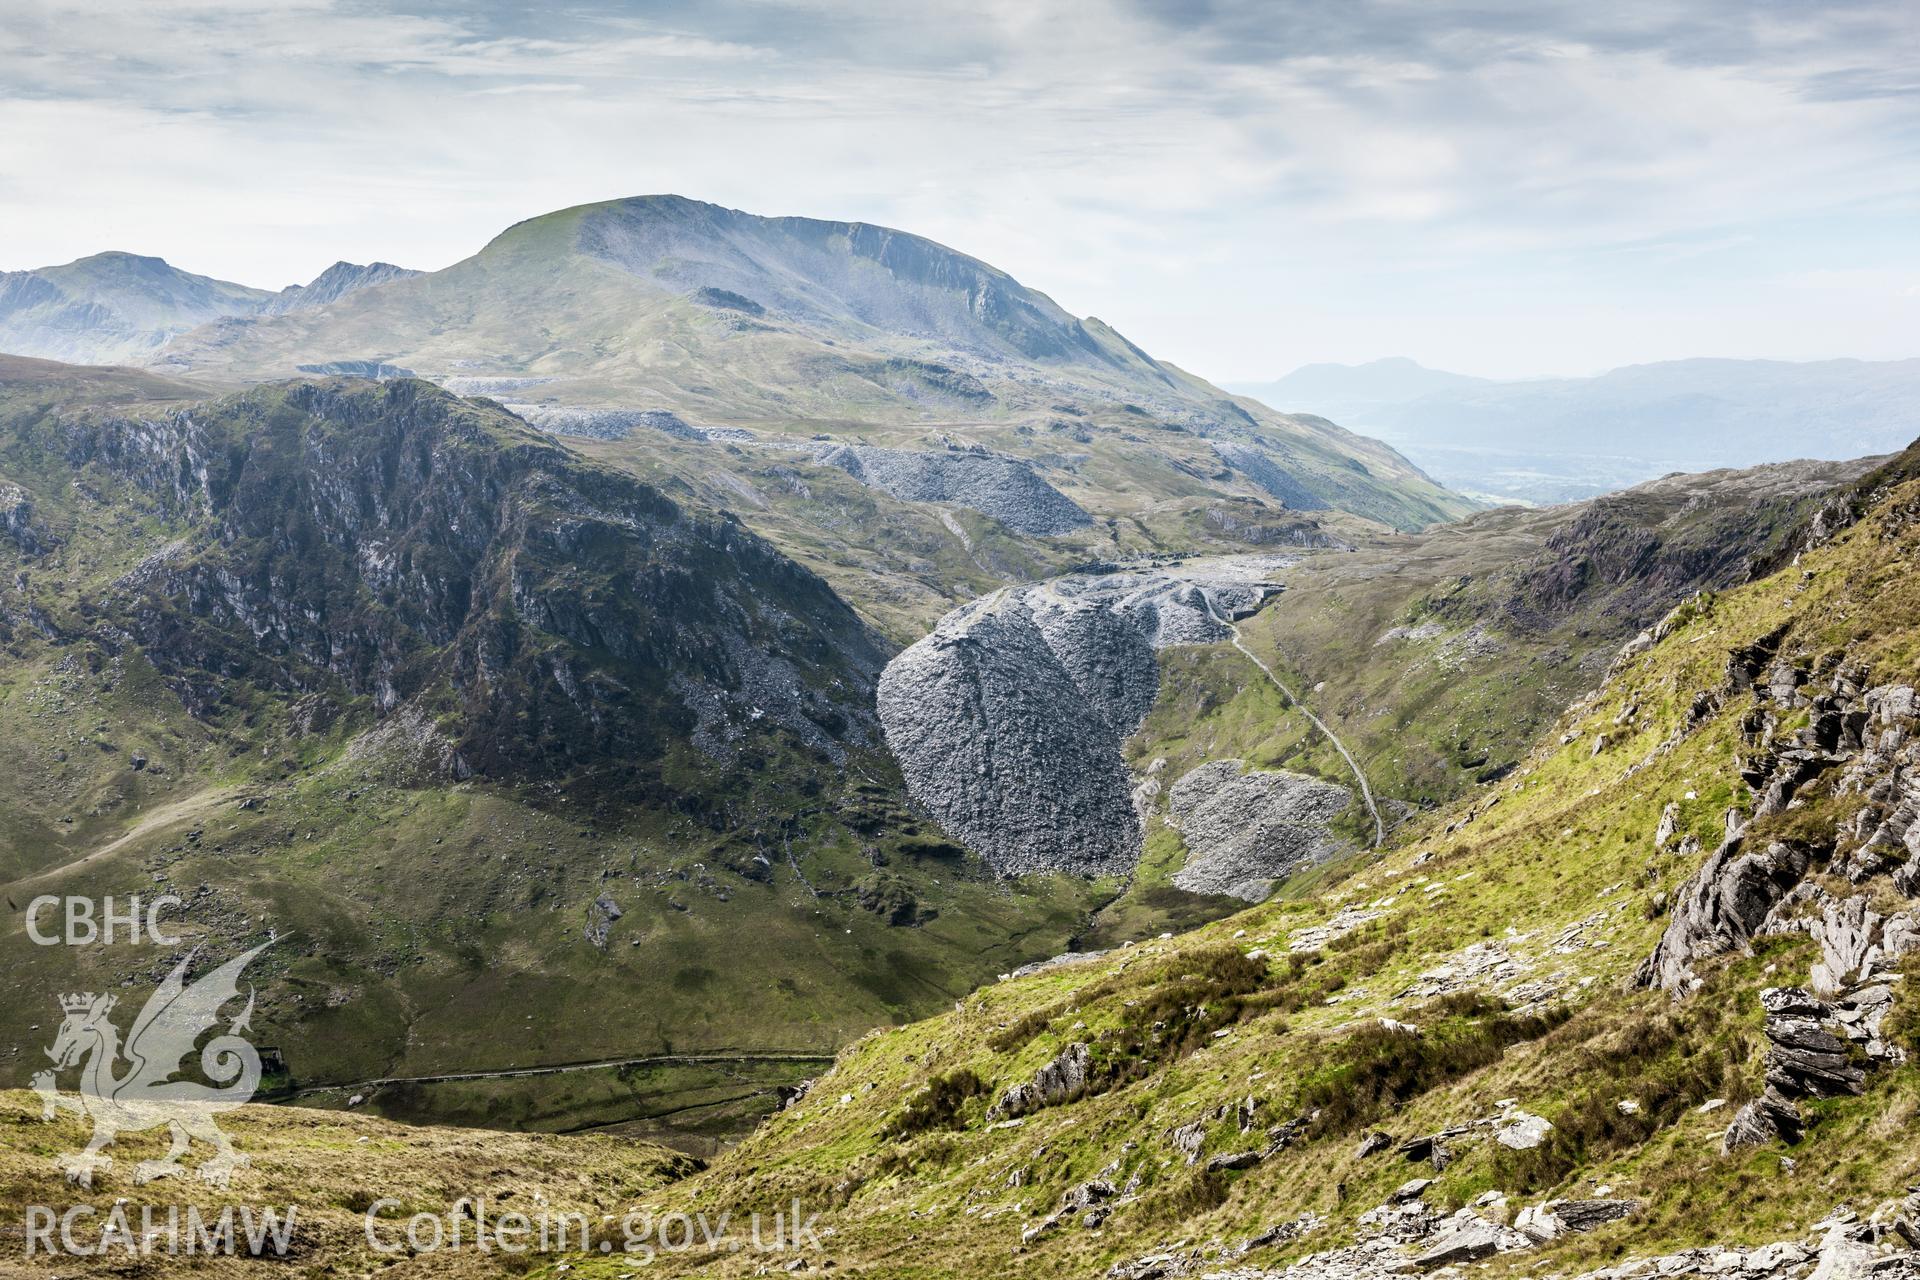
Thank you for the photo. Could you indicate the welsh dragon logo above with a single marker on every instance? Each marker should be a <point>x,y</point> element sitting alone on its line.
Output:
<point>146,1095</point>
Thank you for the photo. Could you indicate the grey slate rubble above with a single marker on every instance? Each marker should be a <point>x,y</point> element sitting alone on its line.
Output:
<point>1245,829</point>
<point>1408,1239</point>
<point>1402,1237</point>
<point>1007,489</point>
<point>1008,720</point>
<point>604,424</point>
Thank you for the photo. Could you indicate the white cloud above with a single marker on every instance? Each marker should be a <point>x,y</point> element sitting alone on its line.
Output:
<point>1538,188</point>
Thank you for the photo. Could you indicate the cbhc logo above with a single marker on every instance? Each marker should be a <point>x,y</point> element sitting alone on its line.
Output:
<point>88,922</point>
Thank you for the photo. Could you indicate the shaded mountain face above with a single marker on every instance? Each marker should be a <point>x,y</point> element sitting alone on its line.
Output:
<point>393,544</point>
<point>1554,439</point>
<point>121,308</point>
<point>846,276</point>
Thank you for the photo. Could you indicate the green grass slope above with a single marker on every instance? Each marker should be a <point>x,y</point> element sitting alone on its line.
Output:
<point>1505,929</point>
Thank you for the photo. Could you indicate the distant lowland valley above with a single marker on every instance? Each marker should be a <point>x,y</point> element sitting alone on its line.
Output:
<point>1549,440</point>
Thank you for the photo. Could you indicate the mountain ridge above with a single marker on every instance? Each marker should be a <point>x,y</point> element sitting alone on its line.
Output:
<point>117,307</point>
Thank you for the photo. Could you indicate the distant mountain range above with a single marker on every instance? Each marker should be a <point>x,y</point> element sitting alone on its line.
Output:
<point>116,308</point>
<point>780,323</point>
<point>1557,439</point>
<point>910,422</point>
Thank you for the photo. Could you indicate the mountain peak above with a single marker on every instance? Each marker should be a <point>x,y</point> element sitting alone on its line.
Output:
<point>122,258</point>
<point>336,282</point>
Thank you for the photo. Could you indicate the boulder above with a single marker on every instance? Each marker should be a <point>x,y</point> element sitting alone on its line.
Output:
<point>1585,1215</point>
<point>1768,1117</point>
<point>1232,1160</point>
<point>1373,1144</point>
<point>1468,1237</point>
<point>1522,1131</point>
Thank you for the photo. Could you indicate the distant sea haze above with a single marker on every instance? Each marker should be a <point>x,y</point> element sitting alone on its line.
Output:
<point>1561,439</point>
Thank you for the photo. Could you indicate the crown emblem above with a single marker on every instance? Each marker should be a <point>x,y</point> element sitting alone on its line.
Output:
<point>82,1001</point>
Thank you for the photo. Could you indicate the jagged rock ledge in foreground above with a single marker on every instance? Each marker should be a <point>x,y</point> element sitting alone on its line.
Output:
<point>1408,1237</point>
<point>1008,719</point>
<point>1858,740</point>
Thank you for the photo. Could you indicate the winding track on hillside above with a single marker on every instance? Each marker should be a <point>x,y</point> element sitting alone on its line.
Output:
<point>1293,699</point>
<point>171,812</point>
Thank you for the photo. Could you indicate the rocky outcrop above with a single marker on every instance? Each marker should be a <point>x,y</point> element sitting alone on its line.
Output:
<point>1841,1247</point>
<point>1244,830</point>
<point>1815,1049</point>
<point>1007,489</point>
<point>1409,1237</point>
<point>1061,1080</point>
<point>16,520</point>
<point>111,308</point>
<point>389,543</point>
<point>1008,719</point>
<point>1723,906</point>
<point>1856,745</point>
<point>1857,742</point>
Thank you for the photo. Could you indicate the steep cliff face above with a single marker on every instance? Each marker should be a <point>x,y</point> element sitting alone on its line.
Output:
<point>393,543</point>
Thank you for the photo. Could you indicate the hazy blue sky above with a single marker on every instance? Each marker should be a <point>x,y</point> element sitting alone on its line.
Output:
<point>1499,188</point>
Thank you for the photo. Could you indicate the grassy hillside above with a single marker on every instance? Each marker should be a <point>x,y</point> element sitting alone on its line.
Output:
<point>1439,658</point>
<point>1500,937</point>
<point>331,1169</point>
